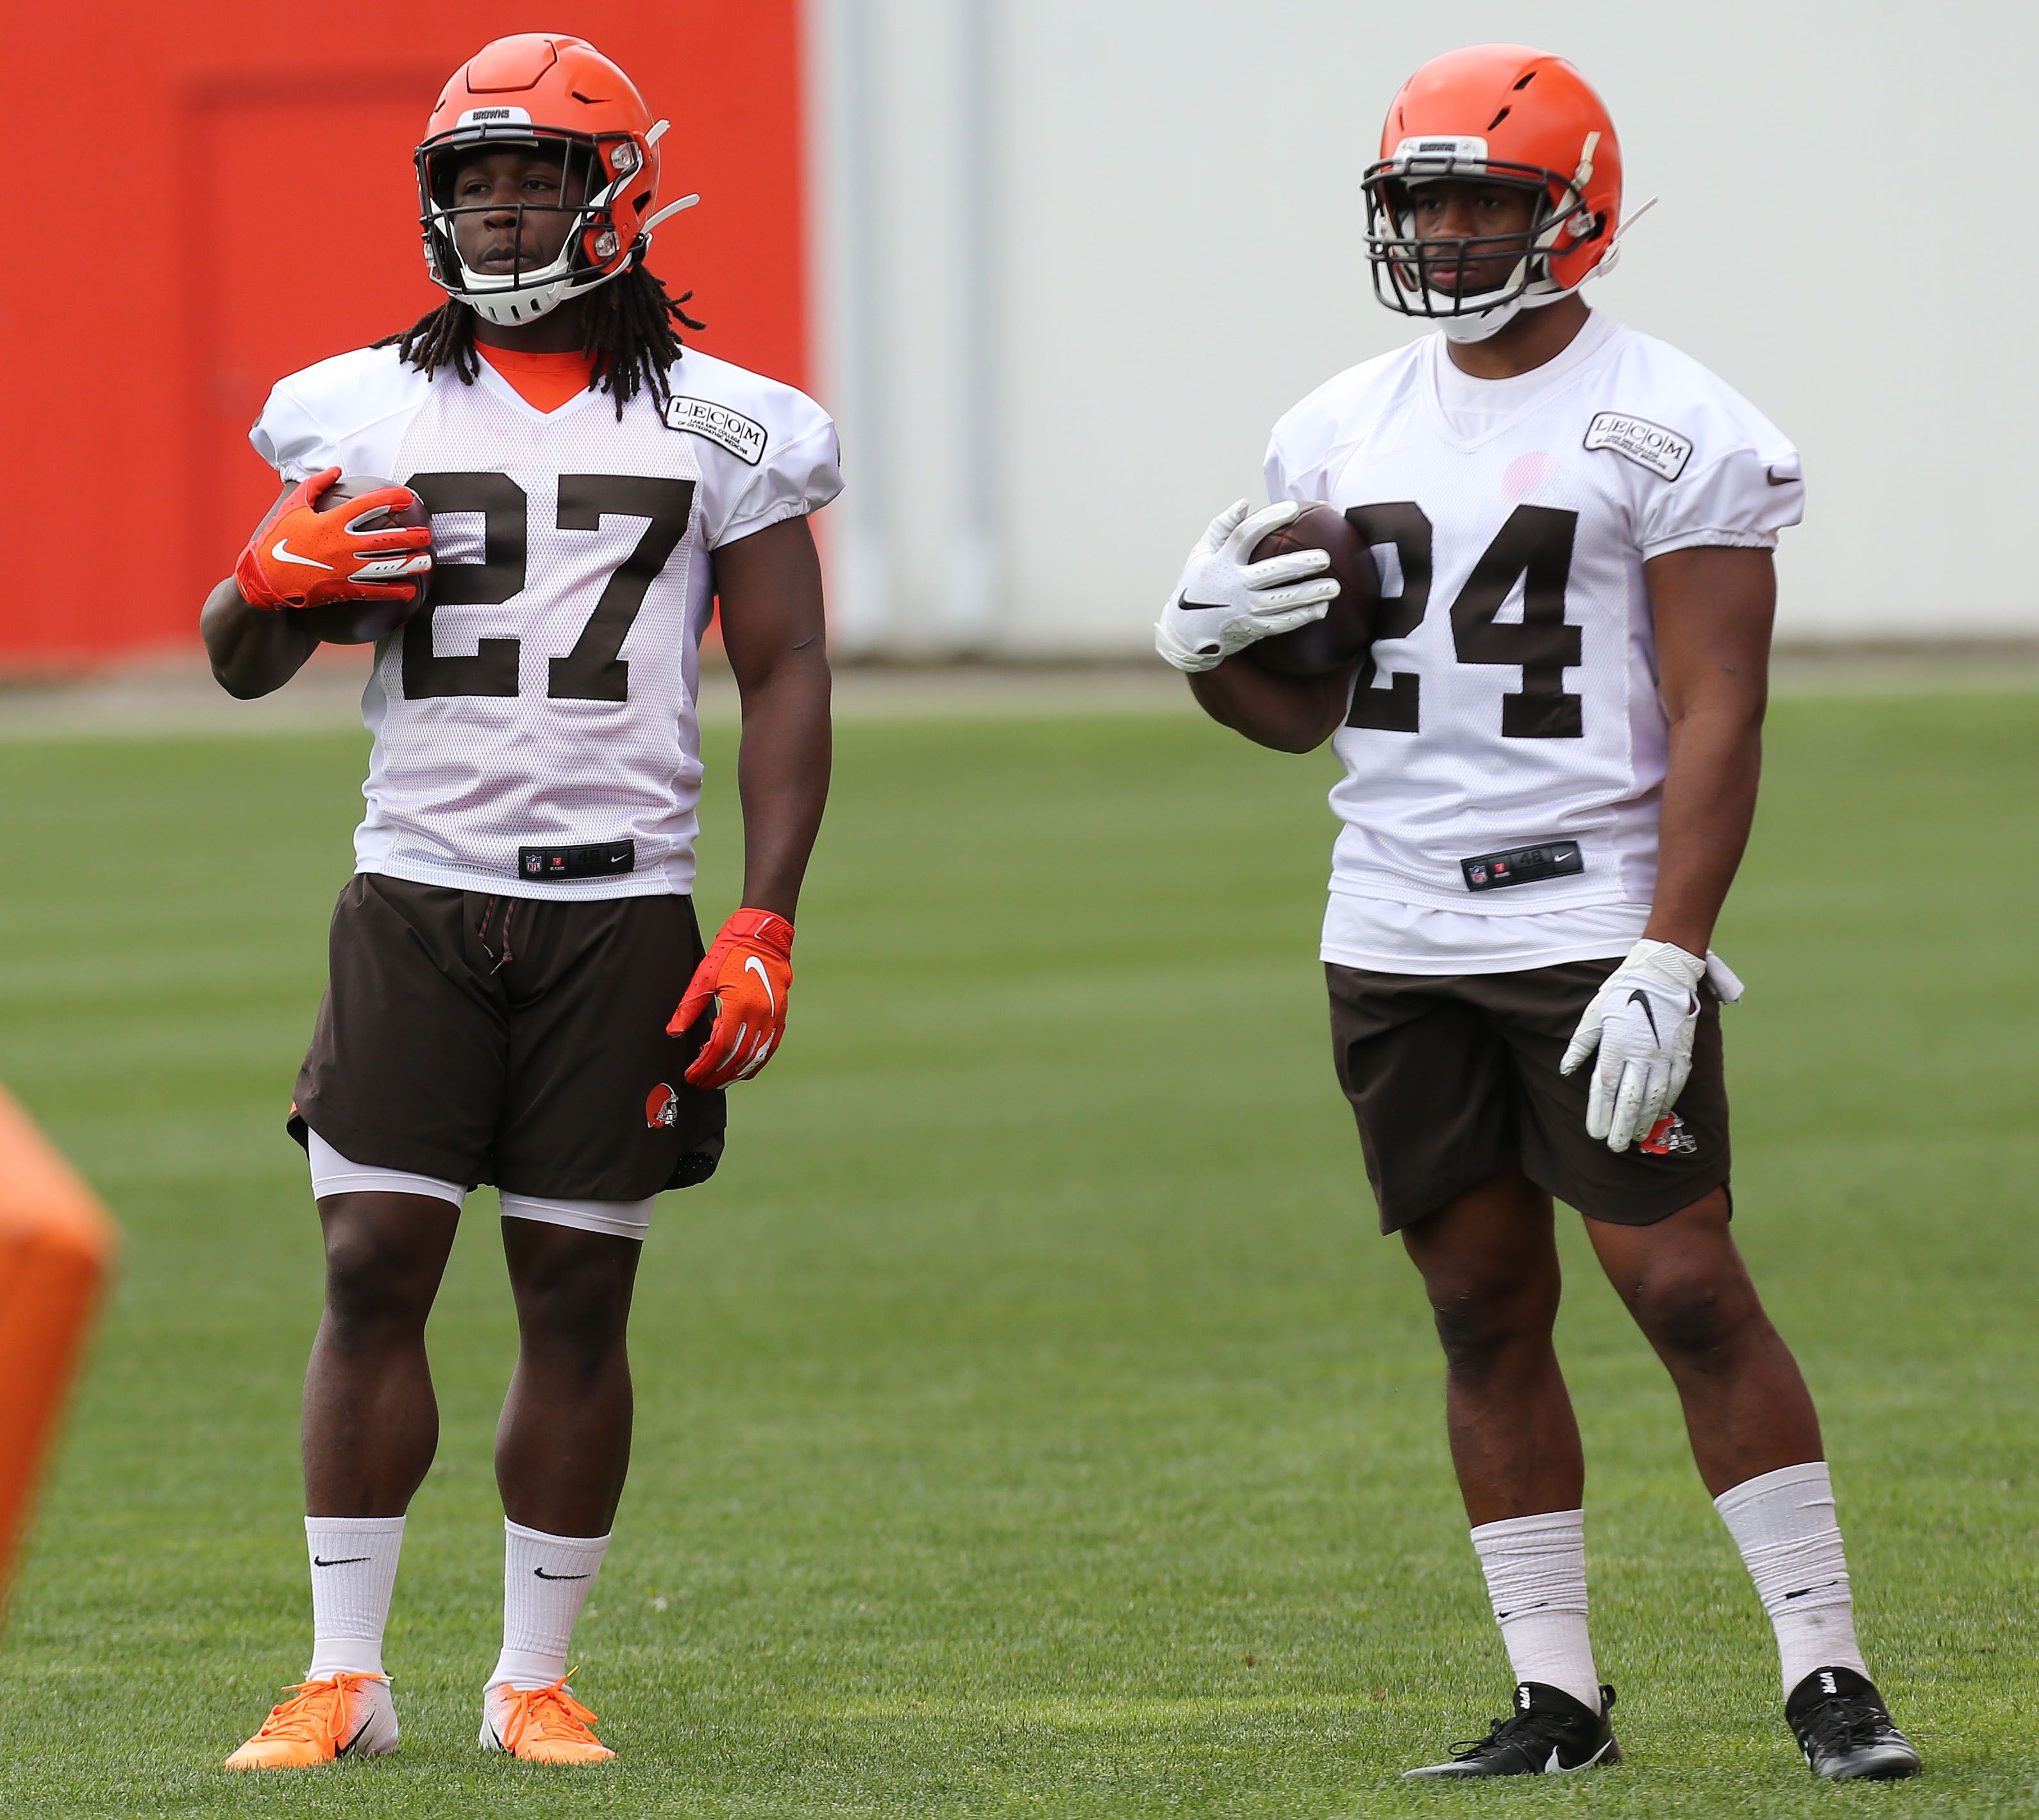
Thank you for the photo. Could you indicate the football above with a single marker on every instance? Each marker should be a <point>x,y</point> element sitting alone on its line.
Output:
<point>363,622</point>
<point>1330,644</point>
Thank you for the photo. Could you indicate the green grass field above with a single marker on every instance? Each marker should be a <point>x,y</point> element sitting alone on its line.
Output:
<point>1030,1420</point>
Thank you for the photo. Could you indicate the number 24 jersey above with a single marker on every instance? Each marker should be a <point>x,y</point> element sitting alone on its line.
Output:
<point>1511,698</point>
<point>545,698</point>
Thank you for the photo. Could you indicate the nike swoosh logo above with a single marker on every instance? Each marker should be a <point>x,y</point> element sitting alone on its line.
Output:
<point>1638,997</point>
<point>1820,1588</point>
<point>1189,606</point>
<point>543,1576</point>
<point>343,1561</point>
<point>1554,1767</point>
<point>753,964</point>
<point>283,552</point>
<point>356,1738</point>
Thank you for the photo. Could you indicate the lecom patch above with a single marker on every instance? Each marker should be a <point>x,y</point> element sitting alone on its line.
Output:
<point>743,437</point>
<point>1648,445</point>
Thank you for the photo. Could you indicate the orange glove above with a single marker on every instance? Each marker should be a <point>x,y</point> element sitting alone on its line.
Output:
<point>748,973</point>
<point>302,556</point>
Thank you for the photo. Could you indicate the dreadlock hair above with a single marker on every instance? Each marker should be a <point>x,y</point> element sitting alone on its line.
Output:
<point>629,333</point>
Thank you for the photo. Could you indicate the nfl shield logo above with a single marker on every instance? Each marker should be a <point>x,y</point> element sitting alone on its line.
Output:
<point>532,862</point>
<point>1479,875</point>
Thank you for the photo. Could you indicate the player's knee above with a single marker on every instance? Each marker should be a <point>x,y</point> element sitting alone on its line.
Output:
<point>1480,1320</point>
<point>579,1314</point>
<point>1691,1313</point>
<point>369,1292</point>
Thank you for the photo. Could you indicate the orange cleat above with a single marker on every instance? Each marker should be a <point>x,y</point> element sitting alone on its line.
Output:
<point>337,1716</point>
<point>540,1725</point>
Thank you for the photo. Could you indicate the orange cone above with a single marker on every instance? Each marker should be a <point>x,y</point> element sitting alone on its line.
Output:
<point>56,1245</point>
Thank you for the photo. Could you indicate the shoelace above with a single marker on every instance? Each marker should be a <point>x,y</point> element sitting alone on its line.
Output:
<point>1522,1731</point>
<point>1842,1724</point>
<point>542,1709</point>
<point>319,1713</point>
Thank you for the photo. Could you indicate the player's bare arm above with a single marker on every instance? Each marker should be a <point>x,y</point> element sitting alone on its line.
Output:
<point>253,652</point>
<point>1712,608</point>
<point>773,629</point>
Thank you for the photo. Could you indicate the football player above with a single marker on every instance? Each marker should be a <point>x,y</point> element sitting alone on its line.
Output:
<point>518,991</point>
<point>1550,756</point>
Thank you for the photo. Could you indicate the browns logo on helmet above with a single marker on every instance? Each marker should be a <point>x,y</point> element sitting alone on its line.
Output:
<point>559,94</point>
<point>1496,114</point>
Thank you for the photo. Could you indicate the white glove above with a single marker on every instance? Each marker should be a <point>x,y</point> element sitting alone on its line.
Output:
<point>1642,1021</point>
<point>1225,603</point>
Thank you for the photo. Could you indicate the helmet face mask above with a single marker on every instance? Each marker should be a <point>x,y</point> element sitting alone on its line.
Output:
<point>1438,277</point>
<point>594,170</point>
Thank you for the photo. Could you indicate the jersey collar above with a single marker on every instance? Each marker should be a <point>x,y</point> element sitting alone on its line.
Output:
<point>501,389</point>
<point>1518,397</point>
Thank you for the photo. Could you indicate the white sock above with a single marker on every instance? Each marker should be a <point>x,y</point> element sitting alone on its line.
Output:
<point>1536,1569</point>
<point>545,1582</point>
<point>354,1571</point>
<point>1783,1523</point>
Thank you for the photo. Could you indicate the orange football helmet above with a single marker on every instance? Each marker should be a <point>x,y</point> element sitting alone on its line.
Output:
<point>544,89</point>
<point>1493,113</point>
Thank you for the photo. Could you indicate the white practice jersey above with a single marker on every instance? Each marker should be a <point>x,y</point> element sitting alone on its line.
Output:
<point>539,715</point>
<point>1511,701</point>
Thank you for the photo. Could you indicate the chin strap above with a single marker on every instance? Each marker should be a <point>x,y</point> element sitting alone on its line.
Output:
<point>657,133</point>
<point>1481,324</point>
<point>670,208</point>
<point>1612,256</point>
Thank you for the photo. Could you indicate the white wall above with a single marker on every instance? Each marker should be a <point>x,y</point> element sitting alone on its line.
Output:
<point>1171,222</point>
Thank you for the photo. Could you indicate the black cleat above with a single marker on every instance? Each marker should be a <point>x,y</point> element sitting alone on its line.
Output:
<point>1844,1728</point>
<point>1548,1733</point>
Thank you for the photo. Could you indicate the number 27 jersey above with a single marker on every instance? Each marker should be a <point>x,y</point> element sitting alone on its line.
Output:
<point>1511,699</point>
<point>534,727</point>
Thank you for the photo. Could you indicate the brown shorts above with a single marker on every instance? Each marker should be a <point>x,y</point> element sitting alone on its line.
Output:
<point>1451,1077</point>
<point>520,1041</point>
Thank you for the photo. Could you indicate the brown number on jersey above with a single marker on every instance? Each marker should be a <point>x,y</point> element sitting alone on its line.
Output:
<point>1535,544</point>
<point>594,670</point>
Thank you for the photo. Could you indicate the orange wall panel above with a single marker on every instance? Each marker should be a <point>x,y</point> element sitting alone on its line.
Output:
<point>238,202</point>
